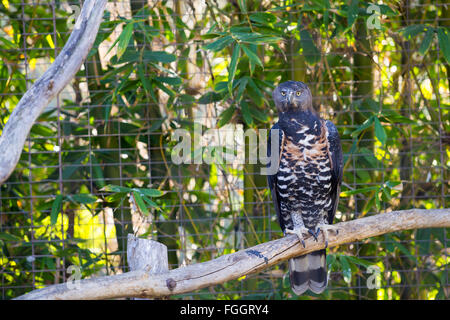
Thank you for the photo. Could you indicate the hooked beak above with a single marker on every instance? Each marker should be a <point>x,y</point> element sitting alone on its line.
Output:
<point>291,97</point>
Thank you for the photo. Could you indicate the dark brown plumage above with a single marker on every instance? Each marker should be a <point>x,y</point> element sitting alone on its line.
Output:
<point>305,190</point>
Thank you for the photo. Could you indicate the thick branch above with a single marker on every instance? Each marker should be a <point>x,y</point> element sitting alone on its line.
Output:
<point>49,85</point>
<point>235,265</point>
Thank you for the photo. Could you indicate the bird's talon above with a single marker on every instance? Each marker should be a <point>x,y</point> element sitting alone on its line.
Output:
<point>317,232</point>
<point>298,233</point>
<point>313,234</point>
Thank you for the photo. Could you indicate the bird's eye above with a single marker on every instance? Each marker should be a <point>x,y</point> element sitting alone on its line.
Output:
<point>283,93</point>
<point>298,93</point>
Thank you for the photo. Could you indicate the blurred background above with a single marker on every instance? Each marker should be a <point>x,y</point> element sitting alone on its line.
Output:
<point>98,163</point>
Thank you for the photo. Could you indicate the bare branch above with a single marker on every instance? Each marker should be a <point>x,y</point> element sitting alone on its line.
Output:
<point>49,85</point>
<point>232,266</point>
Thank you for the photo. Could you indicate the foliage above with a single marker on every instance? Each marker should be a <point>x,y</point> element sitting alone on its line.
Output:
<point>103,149</point>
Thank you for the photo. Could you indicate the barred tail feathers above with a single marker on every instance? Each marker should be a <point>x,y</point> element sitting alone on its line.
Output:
<point>308,272</point>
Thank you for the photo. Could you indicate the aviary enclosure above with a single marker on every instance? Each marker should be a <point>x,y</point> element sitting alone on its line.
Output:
<point>100,162</point>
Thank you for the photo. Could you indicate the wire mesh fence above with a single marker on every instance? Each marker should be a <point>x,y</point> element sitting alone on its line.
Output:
<point>92,168</point>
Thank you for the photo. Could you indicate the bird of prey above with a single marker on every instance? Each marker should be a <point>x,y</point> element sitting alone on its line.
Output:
<point>305,190</point>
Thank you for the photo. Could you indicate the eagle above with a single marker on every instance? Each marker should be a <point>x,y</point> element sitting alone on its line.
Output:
<point>305,189</point>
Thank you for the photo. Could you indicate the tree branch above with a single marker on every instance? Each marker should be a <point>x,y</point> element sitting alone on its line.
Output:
<point>43,90</point>
<point>232,266</point>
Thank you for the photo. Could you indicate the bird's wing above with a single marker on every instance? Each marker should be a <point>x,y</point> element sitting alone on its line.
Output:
<point>272,179</point>
<point>335,150</point>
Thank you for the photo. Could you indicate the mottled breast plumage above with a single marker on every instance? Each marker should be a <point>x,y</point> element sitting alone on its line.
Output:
<point>305,189</point>
<point>304,176</point>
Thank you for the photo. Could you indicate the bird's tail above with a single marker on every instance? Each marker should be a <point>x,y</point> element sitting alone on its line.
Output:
<point>309,271</point>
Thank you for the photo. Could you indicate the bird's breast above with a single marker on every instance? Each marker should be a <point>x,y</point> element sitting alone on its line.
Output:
<point>305,169</point>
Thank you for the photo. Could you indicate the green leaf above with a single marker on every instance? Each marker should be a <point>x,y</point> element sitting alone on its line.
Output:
<point>225,116</point>
<point>255,93</point>
<point>366,124</point>
<point>219,44</point>
<point>358,191</point>
<point>387,11</point>
<point>263,18</point>
<point>42,130</point>
<point>124,39</point>
<point>346,270</point>
<point>331,260</point>
<point>243,5</point>
<point>359,261</point>
<point>392,184</point>
<point>69,170</point>
<point>8,45</point>
<point>310,51</point>
<point>426,41</point>
<point>393,117</point>
<point>114,188</point>
<point>211,34</point>
<point>368,156</point>
<point>150,202</point>
<point>380,133</point>
<point>84,198</point>
<point>154,193</point>
<point>221,86</point>
<point>257,114</point>
<point>444,43</point>
<point>148,30</point>
<point>97,172</point>
<point>56,208</point>
<point>9,237</point>
<point>232,67</point>
<point>326,19</point>
<point>404,250</point>
<point>388,240</point>
<point>256,38</point>
<point>210,97</point>
<point>140,203</point>
<point>377,201</point>
<point>371,104</point>
<point>246,113</point>
<point>252,55</point>
<point>352,12</point>
<point>387,193</point>
<point>242,85</point>
<point>143,77</point>
<point>169,80</point>
<point>411,31</point>
<point>161,86</point>
<point>158,56</point>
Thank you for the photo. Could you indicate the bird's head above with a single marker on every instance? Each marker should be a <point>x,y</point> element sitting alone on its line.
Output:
<point>292,96</point>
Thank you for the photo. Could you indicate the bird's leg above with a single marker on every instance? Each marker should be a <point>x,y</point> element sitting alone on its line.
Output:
<point>325,228</point>
<point>299,231</point>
